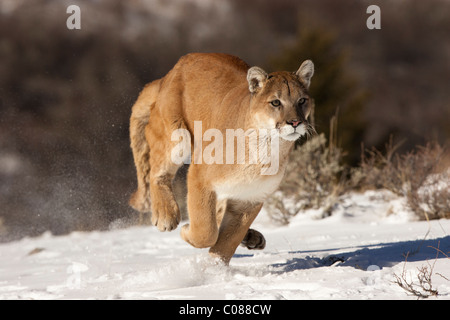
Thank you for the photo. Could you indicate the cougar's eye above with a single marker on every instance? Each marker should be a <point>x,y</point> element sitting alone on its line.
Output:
<point>275,103</point>
<point>301,101</point>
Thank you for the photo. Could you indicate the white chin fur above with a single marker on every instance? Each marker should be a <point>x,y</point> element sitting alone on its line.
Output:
<point>291,134</point>
<point>291,137</point>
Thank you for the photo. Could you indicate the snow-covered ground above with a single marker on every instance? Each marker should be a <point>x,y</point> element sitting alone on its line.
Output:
<point>354,254</point>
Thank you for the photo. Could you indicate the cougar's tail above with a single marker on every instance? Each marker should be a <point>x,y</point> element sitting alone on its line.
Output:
<point>140,117</point>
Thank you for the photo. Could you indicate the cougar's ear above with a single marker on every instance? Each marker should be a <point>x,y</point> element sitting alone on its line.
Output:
<point>256,78</point>
<point>305,72</point>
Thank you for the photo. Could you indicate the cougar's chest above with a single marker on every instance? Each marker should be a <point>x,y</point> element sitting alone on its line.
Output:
<point>255,190</point>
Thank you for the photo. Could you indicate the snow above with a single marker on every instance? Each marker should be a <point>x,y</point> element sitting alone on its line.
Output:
<point>353,254</point>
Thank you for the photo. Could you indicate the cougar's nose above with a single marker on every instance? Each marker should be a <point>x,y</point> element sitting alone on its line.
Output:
<point>294,122</point>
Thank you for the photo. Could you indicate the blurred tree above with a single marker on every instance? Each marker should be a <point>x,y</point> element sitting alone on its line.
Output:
<point>333,87</point>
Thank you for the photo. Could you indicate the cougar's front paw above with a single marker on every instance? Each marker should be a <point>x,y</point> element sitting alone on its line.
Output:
<point>165,215</point>
<point>254,240</point>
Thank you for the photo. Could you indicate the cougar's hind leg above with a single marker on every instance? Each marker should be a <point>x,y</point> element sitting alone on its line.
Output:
<point>221,207</point>
<point>165,211</point>
<point>140,116</point>
<point>234,228</point>
<point>253,240</point>
<point>140,199</point>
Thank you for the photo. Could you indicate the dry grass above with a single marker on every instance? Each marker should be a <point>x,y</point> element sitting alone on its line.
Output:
<point>421,285</point>
<point>311,180</point>
<point>316,178</point>
<point>417,175</point>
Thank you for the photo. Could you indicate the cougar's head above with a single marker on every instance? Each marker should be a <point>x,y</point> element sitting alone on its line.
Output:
<point>280,100</point>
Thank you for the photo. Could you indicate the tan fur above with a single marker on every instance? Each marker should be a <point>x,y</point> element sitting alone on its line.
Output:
<point>222,92</point>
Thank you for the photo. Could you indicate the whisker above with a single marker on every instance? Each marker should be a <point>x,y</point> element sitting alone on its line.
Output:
<point>310,131</point>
